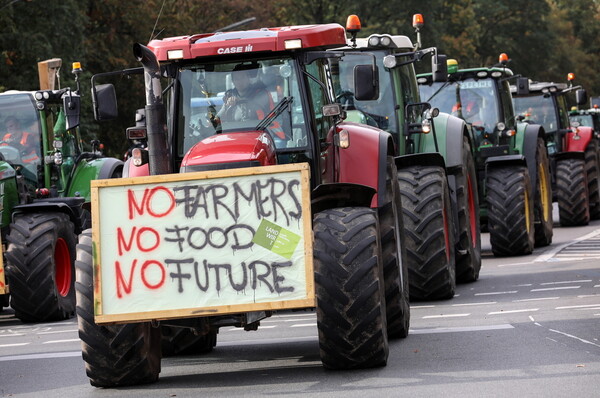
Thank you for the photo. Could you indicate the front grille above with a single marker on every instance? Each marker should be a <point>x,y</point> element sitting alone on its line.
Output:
<point>219,166</point>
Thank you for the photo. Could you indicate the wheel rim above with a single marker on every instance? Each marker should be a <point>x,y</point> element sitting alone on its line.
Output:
<point>544,192</point>
<point>472,215</point>
<point>527,218</point>
<point>62,262</point>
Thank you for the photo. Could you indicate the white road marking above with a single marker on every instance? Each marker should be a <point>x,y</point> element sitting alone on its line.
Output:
<point>59,331</point>
<point>564,282</point>
<point>512,264</point>
<point>467,304</point>
<point>12,345</point>
<point>60,341</point>
<point>547,289</point>
<point>574,337</point>
<point>535,299</point>
<point>445,316</point>
<point>494,293</point>
<point>576,306</point>
<point>303,325</point>
<point>49,355</point>
<point>552,252</point>
<point>418,307</point>
<point>461,329</point>
<point>11,335</point>
<point>293,315</point>
<point>513,311</point>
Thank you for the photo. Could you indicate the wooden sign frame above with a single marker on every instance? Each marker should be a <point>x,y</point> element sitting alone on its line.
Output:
<point>308,300</point>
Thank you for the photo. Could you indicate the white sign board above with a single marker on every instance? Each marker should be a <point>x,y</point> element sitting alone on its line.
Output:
<point>197,244</point>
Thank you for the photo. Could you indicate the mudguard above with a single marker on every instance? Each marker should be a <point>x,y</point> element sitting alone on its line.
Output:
<point>129,170</point>
<point>71,206</point>
<point>88,170</point>
<point>497,161</point>
<point>329,196</point>
<point>9,196</point>
<point>578,141</point>
<point>364,161</point>
<point>449,132</point>
<point>526,143</point>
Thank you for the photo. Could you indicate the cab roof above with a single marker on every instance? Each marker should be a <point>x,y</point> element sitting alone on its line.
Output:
<point>260,40</point>
<point>476,73</point>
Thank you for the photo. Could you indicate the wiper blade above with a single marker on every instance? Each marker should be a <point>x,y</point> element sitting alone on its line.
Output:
<point>276,111</point>
<point>443,86</point>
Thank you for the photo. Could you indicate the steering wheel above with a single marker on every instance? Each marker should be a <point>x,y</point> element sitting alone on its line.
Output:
<point>346,98</point>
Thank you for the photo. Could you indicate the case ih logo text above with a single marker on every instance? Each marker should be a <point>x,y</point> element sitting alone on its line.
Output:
<point>233,50</point>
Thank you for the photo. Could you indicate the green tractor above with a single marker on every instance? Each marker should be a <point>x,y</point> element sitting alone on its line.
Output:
<point>45,193</point>
<point>511,157</point>
<point>433,156</point>
<point>573,149</point>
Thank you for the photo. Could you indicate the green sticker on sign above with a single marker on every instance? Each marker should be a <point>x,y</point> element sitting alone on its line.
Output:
<point>277,239</point>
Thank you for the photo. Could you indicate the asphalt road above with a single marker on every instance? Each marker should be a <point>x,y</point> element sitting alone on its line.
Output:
<point>529,327</point>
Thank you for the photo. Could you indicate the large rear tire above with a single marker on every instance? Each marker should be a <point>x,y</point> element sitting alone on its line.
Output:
<point>510,211</point>
<point>117,355</point>
<point>572,192</point>
<point>429,233</point>
<point>395,269</point>
<point>349,287</point>
<point>468,265</point>
<point>542,208</point>
<point>592,169</point>
<point>40,267</point>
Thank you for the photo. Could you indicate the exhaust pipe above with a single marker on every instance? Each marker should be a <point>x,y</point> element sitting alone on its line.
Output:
<point>158,152</point>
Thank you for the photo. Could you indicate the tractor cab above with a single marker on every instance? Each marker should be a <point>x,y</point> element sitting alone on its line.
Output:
<point>546,103</point>
<point>480,96</point>
<point>247,98</point>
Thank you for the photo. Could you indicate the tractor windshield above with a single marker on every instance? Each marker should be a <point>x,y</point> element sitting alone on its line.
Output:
<point>381,111</point>
<point>586,121</point>
<point>473,100</point>
<point>240,97</point>
<point>538,109</point>
<point>20,132</point>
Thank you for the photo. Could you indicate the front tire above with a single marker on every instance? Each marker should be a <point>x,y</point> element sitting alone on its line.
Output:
<point>40,267</point>
<point>395,269</point>
<point>592,169</point>
<point>428,231</point>
<point>572,193</point>
<point>543,197</point>
<point>468,265</point>
<point>351,316</point>
<point>118,355</point>
<point>510,211</point>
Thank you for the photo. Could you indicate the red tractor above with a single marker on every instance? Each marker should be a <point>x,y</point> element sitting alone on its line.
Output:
<point>282,110</point>
<point>573,150</point>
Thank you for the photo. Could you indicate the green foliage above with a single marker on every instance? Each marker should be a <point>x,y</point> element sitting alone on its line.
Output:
<point>545,39</point>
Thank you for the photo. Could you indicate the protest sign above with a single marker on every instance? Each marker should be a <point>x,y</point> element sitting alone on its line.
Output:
<point>206,243</point>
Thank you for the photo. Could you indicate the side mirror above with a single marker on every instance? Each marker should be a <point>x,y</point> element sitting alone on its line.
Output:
<point>439,68</point>
<point>72,107</point>
<point>104,100</point>
<point>366,82</point>
<point>522,86</point>
<point>581,97</point>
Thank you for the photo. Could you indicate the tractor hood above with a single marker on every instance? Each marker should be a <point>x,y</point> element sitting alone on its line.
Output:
<point>230,150</point>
